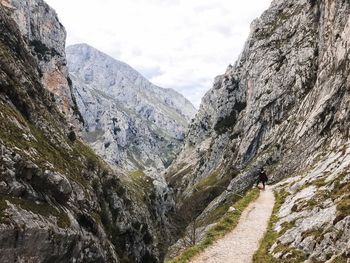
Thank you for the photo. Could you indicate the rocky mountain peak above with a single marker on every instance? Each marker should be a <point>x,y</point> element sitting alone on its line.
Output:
<point>128,120</point>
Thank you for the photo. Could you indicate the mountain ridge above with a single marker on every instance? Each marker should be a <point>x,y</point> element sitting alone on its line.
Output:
<point>121,108</point>
<point>191,115</point>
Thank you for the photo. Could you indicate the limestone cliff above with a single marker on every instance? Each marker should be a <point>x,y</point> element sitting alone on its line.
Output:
<point>283,105</point>
<point>59,202</point>
<point>45,37</point>
<point>129,121</point>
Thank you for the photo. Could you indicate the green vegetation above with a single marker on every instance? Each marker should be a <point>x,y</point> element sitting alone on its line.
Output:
<point>340,192</point>
<point>341,195</point>
<point>217,213</point>
<point>137,174</point>
<point>318,183</point>
<point>139,185</point>
<point>42,209</point>
<point>263,255</point>
<point>340,189</point>
<point>207,182</point>
<point>204,192</point>
<point>225,225</point>
<point>286,226</point>
<point>48,151</point>
<point>70,162</point>
<point>316,233</point>
<point>343,208</point>
<point>340,259</point>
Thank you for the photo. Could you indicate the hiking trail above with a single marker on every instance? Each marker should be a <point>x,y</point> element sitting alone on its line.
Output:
<point>240,244</point>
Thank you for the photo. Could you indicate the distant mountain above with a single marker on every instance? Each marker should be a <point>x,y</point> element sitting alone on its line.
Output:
<point>128,120</point>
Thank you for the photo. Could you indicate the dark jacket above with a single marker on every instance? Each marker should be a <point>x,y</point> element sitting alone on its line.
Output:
<point>262,176</point>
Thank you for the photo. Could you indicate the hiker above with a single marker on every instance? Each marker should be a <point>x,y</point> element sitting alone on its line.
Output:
<point>262,178</point>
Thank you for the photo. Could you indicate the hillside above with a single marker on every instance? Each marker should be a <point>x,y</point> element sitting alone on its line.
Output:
<point>59,201</point>
<point>284,106</point>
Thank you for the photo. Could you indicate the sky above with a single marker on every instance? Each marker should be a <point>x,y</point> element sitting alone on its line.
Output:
<point>179,44</point>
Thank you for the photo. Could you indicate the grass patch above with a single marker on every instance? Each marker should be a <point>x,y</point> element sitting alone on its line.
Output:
<point>316,233</point>
<point>263,255</point>
<point>343,207</point>
<point>137,174</point>
<point>139,185</point>
<point>286,226</point>
<point>45,151</point>
<point>207,182</point>
<point>217,213</point>
<point>42,209</point>
<point>224,226</point>
<point>340,259</point>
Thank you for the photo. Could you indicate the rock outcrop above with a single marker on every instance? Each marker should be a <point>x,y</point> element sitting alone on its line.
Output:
<point>283,105</point>
<point>59,202</point>
<point>45,36</point>
<point>129,121</point>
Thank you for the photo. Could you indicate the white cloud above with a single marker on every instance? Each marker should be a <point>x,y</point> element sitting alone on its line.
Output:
<point>180,44</point>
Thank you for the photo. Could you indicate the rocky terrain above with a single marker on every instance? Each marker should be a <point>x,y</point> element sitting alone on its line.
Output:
<point>129,121</point>
<point>284,105</point>
<point>45,37</point>
<point>59,202</point>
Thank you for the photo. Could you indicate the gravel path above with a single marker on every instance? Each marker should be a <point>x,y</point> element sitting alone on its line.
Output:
<point>240,245</point>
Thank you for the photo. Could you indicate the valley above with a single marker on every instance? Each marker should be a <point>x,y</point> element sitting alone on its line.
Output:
<point>98,164</point>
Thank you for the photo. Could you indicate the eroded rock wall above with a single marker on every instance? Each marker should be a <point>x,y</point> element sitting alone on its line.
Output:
<point>284,102</point>
<point>45,36</point>
<point>59,202</point>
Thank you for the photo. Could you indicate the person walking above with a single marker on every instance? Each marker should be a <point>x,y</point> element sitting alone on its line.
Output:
<point>262,178</point>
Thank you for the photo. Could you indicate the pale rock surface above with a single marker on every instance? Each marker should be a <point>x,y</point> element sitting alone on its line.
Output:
<point>283,105</point>
<point>128,120</point>
<point>46,38</point>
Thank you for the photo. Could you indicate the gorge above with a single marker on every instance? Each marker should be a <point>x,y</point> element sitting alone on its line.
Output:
<point>134,195</point>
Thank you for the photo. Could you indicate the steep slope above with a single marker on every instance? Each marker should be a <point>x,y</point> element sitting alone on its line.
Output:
<point>59,202</point>
<point>46,37</point>
<point>129,121</point>
<point>284,105</point>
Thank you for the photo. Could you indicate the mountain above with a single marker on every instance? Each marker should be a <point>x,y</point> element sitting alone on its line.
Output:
<point>45,37</point>
<point>284,106</point>
<point>60,202</point>
<point>129,121</point>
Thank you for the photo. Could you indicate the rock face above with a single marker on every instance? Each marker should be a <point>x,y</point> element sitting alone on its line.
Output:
<point>59,202</point>
<point>129,121</point>
<point>45,37</point>
<point>314,218</point>
<point>283,105</point>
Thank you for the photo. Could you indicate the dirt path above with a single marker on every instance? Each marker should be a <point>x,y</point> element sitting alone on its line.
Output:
<point>240,245</point>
